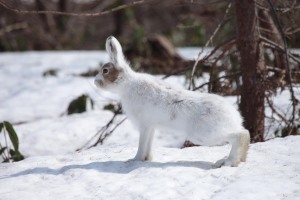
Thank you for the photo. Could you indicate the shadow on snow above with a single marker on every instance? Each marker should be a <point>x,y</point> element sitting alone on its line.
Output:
<point>119,167</point>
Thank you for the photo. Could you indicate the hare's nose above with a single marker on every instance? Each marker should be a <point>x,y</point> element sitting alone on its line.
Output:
<point>98,82</point>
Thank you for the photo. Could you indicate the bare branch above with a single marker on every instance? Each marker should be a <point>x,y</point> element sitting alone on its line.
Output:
<point>283,71</point>
<point>271,105</point>
<point>206,58</point>
<point>291,31</point>
<point>286,10</point>
<point>83,14</point>
<point>208,42</point>
<point>289,79</point>
<point>273,45</point>
<point>105,131</point>
<point>217,79</point>
<point>13,27</point>
<point>282,10</point>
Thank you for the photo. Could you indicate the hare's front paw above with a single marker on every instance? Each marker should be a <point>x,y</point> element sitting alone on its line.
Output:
<point>148,158</point>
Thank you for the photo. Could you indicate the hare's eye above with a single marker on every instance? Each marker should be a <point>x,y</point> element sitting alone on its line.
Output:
<point>105,71</point>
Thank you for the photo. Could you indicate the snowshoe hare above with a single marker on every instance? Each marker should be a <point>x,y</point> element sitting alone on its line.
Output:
<point>205,119</point>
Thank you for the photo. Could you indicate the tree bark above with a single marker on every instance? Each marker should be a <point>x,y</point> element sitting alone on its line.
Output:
<point>252,68</point>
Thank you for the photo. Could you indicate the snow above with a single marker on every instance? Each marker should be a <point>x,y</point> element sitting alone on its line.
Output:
<point>271,172</point>
<point>53,170</point>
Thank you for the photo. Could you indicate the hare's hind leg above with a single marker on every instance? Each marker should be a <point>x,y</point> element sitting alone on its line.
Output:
<point>245,142</point>
<point>240,144</point>
<point>145,144</point>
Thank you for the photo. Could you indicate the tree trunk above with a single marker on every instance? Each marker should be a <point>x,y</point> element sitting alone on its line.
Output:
<point>252,68</point>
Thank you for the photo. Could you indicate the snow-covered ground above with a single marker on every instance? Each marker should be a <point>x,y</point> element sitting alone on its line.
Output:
<point>272,171</point>
<point>48,139</point>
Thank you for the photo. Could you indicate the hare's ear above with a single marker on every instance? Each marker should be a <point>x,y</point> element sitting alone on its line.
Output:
<point>114,49</point>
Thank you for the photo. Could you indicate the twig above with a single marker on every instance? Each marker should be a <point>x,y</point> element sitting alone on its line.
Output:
<point>205,2</point>
<point>82,14</point>
<point>225,48</point>
<point>289,79</point>
<point>286,10</point>
<point>208,56</point>
<point>12,27</point>
<point>208,42</point>
<point>219,25</point>
<point>275,111</point>
<point>282,71</point>
<point>104,132</point>
<point>217,79</point>
<point>273,45</point>
<point>292,30</point>
<point>260,5</point>
<point>281,10</point>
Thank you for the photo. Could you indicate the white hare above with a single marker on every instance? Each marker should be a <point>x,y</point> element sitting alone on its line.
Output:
<point>205,119</point>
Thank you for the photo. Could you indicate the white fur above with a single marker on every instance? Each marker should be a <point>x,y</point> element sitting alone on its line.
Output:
<point>205,119</point>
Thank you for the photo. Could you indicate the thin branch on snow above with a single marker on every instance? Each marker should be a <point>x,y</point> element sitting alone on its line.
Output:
<point>105,131</point>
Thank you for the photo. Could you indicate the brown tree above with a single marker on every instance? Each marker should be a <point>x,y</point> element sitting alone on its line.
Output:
<point>252,68</point>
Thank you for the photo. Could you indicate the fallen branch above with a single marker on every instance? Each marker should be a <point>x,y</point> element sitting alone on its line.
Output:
<point>105,131</point>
